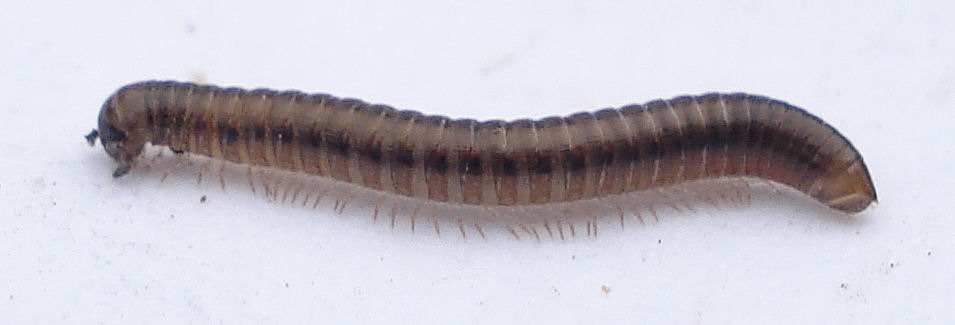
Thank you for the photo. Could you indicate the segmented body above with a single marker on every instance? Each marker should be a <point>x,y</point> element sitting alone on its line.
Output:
<point>522,162</point>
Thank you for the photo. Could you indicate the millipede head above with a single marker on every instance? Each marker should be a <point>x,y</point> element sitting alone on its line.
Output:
<point>120,144</point>
<point>111,148</point>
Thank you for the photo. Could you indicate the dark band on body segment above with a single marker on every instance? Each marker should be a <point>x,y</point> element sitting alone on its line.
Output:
<point>555,159</point>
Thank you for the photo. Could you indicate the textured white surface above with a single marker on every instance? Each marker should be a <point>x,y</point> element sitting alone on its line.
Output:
<point>77,246</point>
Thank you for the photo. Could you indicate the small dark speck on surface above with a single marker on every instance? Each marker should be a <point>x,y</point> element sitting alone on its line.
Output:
<point>286,284</point>
<point>605,289</point>
<point>202,199</point>
<point>929,253</point>
<point>659,241</point>
<point>844,286</point>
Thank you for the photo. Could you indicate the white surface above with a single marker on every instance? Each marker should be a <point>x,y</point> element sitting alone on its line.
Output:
<point>80,247</point>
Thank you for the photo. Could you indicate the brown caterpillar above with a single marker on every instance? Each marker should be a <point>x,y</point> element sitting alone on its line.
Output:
<point>463,161</point>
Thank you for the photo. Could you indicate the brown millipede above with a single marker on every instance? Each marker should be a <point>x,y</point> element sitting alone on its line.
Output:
<point>492,163</point>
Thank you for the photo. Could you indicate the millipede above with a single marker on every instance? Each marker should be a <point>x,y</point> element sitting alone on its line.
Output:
<point>494,163</point>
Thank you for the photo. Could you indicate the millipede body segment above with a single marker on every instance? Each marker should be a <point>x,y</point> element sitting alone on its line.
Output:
<point>463,161</point>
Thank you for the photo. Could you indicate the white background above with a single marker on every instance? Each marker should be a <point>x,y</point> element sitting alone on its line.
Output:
<point>77,246</point>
